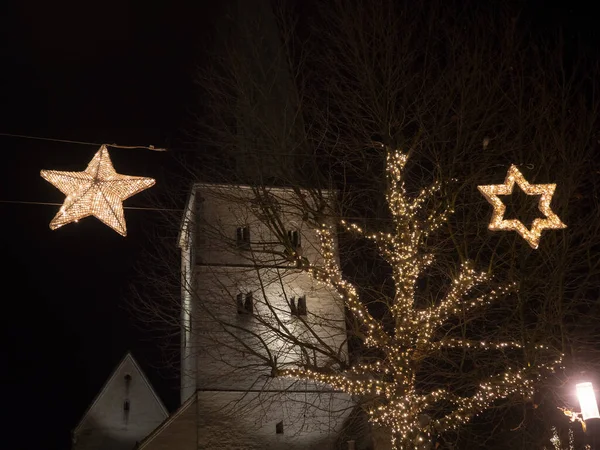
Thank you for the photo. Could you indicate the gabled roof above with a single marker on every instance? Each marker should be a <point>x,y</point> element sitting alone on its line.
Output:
<point>168,421</point>
<point>128,357</point>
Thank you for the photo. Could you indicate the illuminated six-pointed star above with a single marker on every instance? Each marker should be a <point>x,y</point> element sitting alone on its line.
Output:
<point>545,191</point>
<point>98,191</point>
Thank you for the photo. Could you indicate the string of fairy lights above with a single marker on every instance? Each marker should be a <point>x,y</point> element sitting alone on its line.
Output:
<point>390,383</point>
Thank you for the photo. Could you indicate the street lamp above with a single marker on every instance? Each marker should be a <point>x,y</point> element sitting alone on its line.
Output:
<point>589,412</point>
<point>587,401</point>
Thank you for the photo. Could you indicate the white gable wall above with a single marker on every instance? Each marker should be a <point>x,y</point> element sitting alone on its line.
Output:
<point>107,426</point>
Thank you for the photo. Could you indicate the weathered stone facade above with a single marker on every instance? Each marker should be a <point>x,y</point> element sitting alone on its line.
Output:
<point>239,404</point>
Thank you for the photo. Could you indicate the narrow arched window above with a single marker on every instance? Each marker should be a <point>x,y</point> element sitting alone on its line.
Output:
<point>126,410</point>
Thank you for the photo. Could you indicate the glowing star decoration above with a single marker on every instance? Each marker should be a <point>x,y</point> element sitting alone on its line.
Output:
<point>98,191</point>
<point>545,191</point>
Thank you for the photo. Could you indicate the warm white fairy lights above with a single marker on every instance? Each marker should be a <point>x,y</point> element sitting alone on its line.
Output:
<point>545,191</point>
<point>557,443</point>
<point>388,384</point>
<point>98,191</point>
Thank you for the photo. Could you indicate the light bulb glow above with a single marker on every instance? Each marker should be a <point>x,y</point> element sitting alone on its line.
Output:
<point>587,401</point>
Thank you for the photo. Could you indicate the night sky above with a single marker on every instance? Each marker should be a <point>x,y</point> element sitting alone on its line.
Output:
<point>107,72</point>
<point>116,71</point>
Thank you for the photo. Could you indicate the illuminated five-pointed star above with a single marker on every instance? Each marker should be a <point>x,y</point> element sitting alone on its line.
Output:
<point>545,191</point>
<point>98,191</point>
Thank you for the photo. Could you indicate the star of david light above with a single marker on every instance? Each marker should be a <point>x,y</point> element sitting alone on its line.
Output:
<point>545,191</point>
<point>98,191</point>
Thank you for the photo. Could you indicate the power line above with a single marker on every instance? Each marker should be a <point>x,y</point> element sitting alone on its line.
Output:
<point>150,147</point>
<point>256,151</point>
<point>95,144</point>
<point>142,208</point>
<point>19,202</point>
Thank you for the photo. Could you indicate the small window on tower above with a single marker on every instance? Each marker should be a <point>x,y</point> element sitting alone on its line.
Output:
<point>245,303</point>
<point>249,303</point>
<point>240,303</point>
<point>279,427</point>
<point>242,237</point>
<point>294,238</point>
<point>302,306</point>
<point>293,308</point>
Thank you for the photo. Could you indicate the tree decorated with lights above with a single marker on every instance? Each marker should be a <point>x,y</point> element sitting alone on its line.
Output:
<point>482,98</point>
<point>389,381</point>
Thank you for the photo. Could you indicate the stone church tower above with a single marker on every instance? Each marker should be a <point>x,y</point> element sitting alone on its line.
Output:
<point>236,296</point>
<point>233,298</point>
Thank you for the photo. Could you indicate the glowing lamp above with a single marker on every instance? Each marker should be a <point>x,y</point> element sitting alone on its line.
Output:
<point>587,401</point>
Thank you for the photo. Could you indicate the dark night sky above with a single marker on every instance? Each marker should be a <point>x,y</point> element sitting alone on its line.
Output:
<point>113,71</point>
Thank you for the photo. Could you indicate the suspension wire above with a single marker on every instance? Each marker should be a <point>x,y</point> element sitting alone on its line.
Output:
<point>142,208</point>
<point>160,149</point>
<point>95,144</point>
<point>149,147</point>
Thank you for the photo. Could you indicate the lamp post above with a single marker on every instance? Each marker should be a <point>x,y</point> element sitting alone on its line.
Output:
<point>589,412</point>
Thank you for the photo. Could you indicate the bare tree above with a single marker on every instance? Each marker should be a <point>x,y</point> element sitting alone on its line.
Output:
<point>356,111</point>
